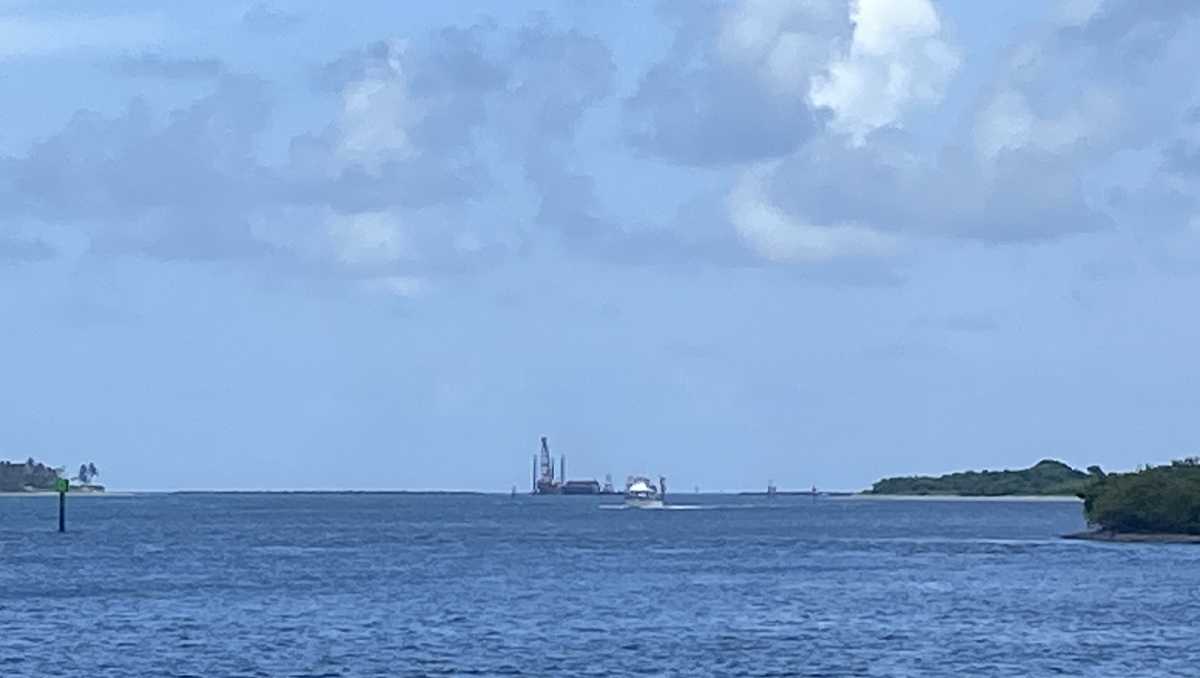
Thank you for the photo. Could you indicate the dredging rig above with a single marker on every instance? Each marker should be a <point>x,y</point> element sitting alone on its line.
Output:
<point>546,482</point>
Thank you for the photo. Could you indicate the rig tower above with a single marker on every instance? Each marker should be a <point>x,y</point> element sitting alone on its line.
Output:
<point>545,482</point>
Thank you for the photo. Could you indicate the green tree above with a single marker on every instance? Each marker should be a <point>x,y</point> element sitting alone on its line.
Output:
<point>1152,499</point>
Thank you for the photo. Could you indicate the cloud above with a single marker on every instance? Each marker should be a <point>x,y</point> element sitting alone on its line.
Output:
<point>180,190</point>
<point>782,237</point>
<point>1174,190</point>
<point>156,65</point>
<point>412,122</point>
<point>1094,85</point>
<point>1060,114</point>
<point>891,186</point>
<point>262,17</point>
<point>388,184</point>
<point>781,42</point>
<point>754,80</point>
<point>1181,157</point>
<point>444,153</point>
<point>557,76</point>
<point>732,87</point>
<point>413,114</point>
<point>368,238</point>
<point>406,106</point>
<point>896,59</point>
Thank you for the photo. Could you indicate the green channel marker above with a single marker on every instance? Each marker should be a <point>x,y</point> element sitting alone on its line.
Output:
<point>63,486</point>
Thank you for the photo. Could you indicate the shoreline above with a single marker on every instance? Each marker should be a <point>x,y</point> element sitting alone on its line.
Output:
<point>1134,537</point>
<point>963,497</point>
<point>52,493</point>
<point>832,496</point>
<point>139,493</point>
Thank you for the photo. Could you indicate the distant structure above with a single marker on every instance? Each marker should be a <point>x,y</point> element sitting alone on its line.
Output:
<point>545,481</point>
<point>581,487</point>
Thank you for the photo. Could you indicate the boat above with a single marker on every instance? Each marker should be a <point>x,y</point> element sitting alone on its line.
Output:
<point>641,493</point>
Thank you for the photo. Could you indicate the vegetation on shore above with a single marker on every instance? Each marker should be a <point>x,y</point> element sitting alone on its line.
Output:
<point>1045,478</point>
<point>1152,500</point>
<point>27,476</point>
<point>34,476</point>
<point>1154,503</point>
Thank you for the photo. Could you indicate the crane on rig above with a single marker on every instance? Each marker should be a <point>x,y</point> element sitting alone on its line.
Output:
<point>544,481</point>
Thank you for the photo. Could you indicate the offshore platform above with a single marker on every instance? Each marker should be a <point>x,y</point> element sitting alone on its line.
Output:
<point>546,482</point>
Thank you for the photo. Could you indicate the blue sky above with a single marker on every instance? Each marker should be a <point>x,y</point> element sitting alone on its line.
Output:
<point>299,245</point>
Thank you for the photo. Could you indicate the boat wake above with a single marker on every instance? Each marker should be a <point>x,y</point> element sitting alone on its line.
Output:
<point>668,507</point>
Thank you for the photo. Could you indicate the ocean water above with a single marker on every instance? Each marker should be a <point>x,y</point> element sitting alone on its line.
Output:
<point>404,585</point>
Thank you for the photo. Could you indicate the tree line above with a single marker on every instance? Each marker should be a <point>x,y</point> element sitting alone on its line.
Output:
<point>1047,477</point>
<point>1162,499</point>
<point>33,475</point>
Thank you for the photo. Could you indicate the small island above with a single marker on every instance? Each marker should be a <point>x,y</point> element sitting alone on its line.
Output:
<point>1152,504</point>
<point>1045,478</point>
<point>34,476</point>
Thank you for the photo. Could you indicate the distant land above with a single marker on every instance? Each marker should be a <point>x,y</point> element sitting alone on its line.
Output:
<point>1045,478</point>
<point>794,493</point>
<point>34,476</point>
<point>1154,503</point>
<point>406,492</point>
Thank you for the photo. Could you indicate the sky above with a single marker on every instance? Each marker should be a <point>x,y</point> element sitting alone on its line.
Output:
<point>310,245</point>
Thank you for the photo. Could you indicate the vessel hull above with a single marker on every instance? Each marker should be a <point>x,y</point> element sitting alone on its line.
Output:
<point>644,503</point>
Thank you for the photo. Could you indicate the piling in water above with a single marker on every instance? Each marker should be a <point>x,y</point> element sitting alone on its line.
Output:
<point>62,485</point>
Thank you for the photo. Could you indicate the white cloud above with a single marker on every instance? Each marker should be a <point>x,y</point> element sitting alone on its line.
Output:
<point>1008,122</point>
<point>361,240</point>
<point>785,42</point>
<point>781,237</point>
<point>367,238</point>
<point>377,113</point>
<point>896,60</point>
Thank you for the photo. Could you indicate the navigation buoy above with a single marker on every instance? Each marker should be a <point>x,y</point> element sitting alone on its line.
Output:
<point>63,486</point>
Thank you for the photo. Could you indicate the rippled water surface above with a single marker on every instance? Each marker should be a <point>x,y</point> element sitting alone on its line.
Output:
<point>397,585</point>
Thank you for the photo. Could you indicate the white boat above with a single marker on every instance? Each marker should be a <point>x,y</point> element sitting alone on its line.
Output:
<point>641,493</point>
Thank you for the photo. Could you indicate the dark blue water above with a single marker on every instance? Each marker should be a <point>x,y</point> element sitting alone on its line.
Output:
<point>394,585</point>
